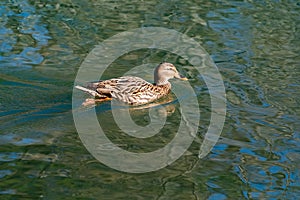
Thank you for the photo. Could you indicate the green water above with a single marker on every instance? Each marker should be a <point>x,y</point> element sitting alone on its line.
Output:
<point>255,46</point>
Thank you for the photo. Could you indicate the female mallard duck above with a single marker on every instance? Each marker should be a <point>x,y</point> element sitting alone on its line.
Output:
<point>134,90</point>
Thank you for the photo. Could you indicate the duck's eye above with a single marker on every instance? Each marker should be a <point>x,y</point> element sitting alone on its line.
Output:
<point>170,68</point>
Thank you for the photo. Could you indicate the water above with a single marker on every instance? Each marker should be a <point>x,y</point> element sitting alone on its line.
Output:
<point>255,46</point>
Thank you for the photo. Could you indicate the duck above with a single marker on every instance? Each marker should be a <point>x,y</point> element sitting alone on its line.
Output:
<point>134,90</point>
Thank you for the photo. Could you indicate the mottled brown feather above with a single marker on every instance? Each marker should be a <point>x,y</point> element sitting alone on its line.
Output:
<point>131,90</point>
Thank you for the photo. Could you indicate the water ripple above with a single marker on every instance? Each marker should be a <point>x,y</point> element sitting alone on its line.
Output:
<point>21,43</point>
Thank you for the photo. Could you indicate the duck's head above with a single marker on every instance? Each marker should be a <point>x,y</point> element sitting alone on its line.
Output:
<point>165,71</point>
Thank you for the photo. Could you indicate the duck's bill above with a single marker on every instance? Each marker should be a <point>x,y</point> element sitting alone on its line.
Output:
<point>181,77</point>
<point>184,78</point>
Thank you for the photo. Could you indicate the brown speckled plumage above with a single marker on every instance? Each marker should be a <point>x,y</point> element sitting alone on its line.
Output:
<point>134,90</point>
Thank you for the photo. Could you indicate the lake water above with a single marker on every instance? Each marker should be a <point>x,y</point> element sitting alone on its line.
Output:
<point>255,45</point>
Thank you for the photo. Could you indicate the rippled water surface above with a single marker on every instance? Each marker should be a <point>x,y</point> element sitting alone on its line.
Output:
<point>255,45</point>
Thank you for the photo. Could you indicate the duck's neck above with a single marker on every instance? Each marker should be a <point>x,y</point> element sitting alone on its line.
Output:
<point>162,82</point>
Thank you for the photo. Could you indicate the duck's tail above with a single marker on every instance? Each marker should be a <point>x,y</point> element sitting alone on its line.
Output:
<point>91,92</point>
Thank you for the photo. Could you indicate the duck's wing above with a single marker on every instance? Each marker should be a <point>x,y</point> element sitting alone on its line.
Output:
<point>103,87</point>
<point>134,90</point>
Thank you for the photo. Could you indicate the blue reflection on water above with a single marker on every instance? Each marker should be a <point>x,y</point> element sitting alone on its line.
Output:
<point>21,43</point>
<point>9,156</point>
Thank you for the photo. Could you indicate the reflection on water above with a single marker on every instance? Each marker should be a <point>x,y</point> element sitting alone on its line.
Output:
<point>255,47</point>
<point>22,35</point>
